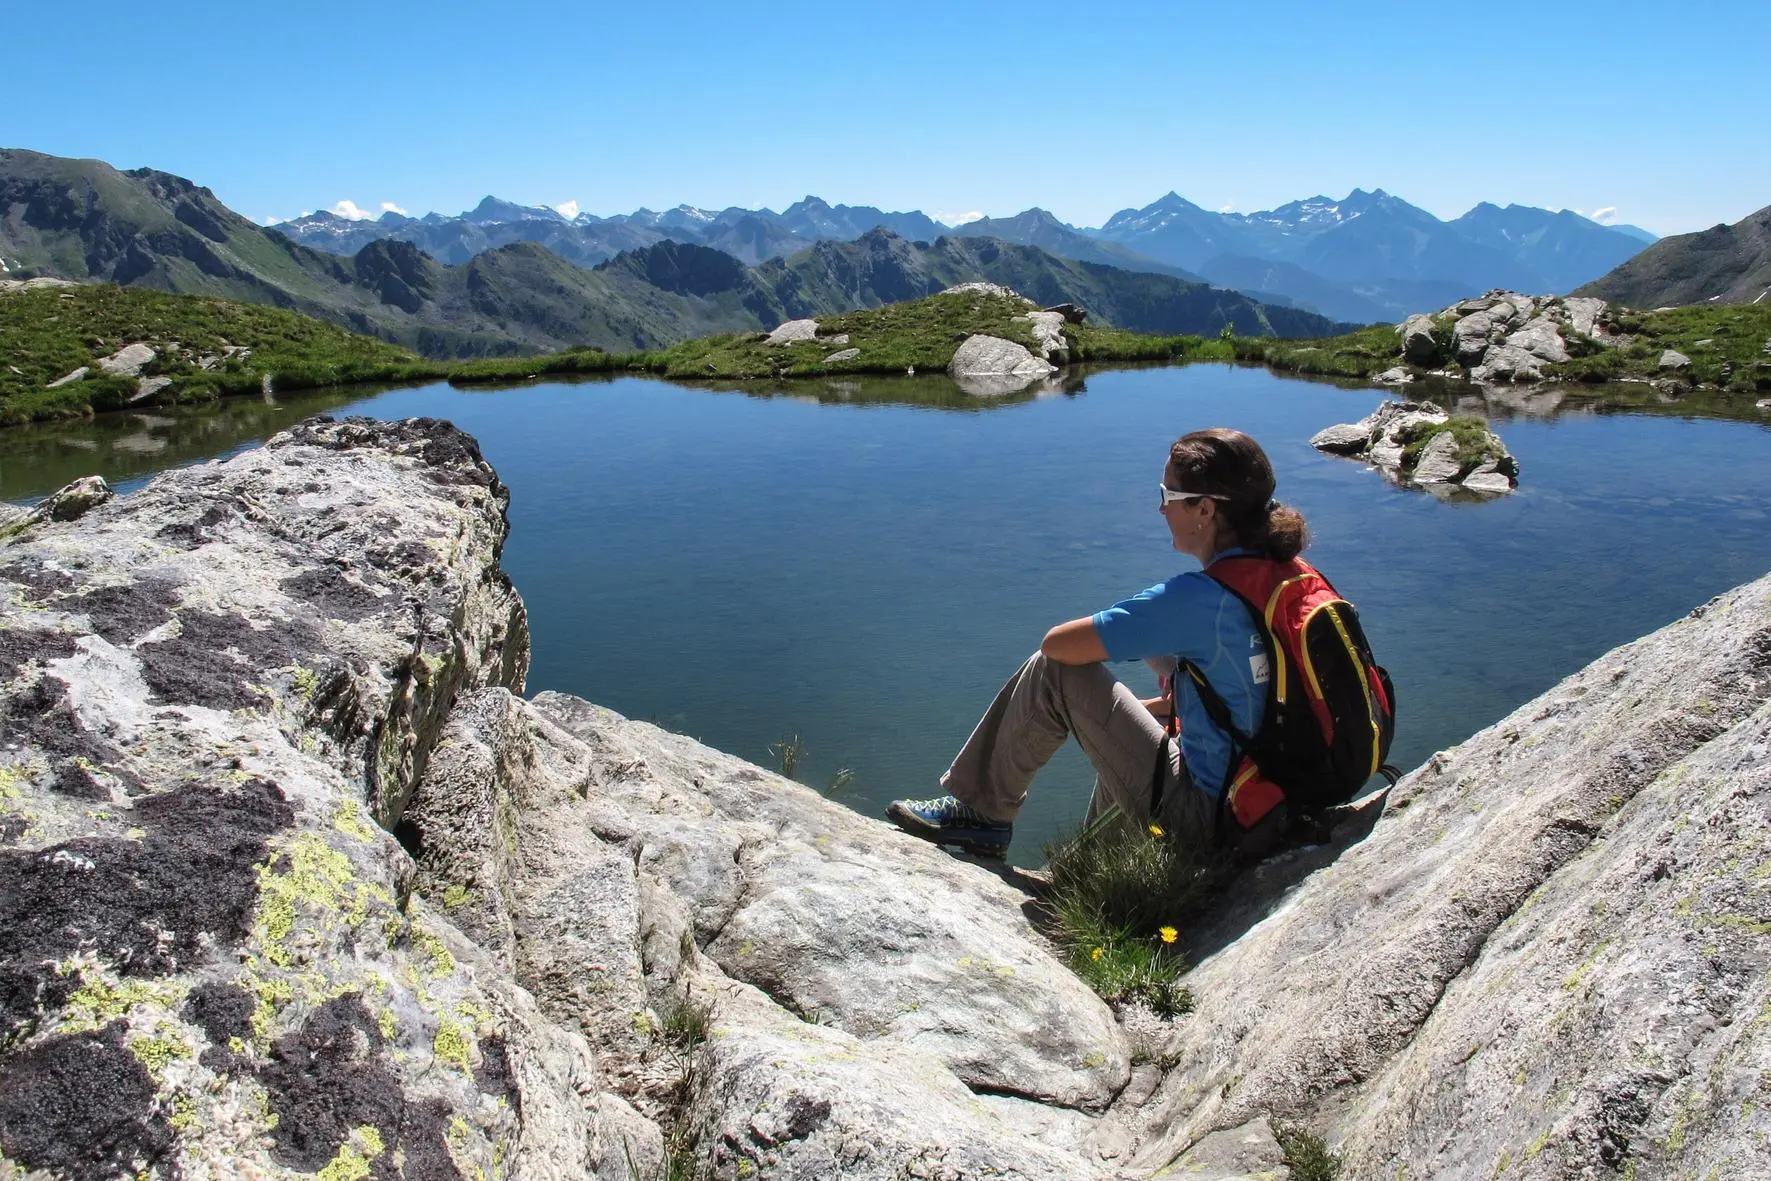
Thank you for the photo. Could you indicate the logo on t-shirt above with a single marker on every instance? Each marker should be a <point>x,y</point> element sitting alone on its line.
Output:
<point>1258,668</point>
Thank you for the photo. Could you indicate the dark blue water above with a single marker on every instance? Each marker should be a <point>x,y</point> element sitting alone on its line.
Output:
<point>746,569</point>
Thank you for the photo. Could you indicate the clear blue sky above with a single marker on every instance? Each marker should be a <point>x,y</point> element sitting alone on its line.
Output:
<point>1655,110</point>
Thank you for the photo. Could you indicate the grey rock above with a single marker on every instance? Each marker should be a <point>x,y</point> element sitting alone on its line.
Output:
<point>69,378</point>
<point>842,355</point>
<point>990,365</point>
<point>1419,344</point>
<point>837,339</point>
<point>147,387</point>
<point>1247,1153</point>
<point>15,286</point>
<point>1071,313</point>
<point>127,361</point>
<point>69,504</point>
<point>1346,439</point>
<point>1673,359</point>
<point>215,703</point>
<point>1583,314</point>
<point>1048,334</point>
<point>1764,404</point>
<point>1472,334</point>
<point>988,289</point>
<point>1437,462</point>
<point>793,331</point>
<point>1507,362</point>
<point>1542,339</point>
<point>1487,477</point>
<point>1394,376</point>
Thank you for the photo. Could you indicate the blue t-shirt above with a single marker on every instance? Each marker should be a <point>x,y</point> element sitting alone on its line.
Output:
<point>1192,617</point>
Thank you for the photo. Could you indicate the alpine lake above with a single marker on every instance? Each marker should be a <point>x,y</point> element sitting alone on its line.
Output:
<point>841,573</point>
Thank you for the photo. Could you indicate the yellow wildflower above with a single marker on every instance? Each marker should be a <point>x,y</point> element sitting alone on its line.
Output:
<point>1155,830</point>
<point>1169,934</point>
<point>1097,953</point>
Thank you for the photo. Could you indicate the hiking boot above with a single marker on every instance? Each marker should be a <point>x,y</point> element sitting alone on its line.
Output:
<point>946,821</point>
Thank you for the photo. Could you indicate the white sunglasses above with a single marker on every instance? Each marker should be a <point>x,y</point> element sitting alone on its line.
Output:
<point>1169,495</point>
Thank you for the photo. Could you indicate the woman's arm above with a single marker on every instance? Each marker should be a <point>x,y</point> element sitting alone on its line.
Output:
<point>1075,642</point>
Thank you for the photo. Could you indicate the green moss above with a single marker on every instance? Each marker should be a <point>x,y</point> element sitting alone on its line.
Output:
<point>1474,443</point>
<point>1306,1153</point>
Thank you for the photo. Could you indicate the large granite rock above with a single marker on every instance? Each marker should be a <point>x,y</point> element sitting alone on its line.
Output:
<point>989,366</point>
<point>1419,344</point>
<point>219,693</point>
<point>792,332</point>
<point>1548,959</point>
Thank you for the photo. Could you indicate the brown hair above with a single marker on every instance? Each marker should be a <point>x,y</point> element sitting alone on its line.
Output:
<point>1228,463</point>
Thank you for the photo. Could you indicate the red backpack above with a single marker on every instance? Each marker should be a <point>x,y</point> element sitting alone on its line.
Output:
<point>1331,710</point>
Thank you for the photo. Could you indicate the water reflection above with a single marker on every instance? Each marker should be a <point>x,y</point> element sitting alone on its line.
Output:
<point>36,460</point>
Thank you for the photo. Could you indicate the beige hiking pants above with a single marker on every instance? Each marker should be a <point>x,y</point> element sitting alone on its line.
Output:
<point>1044,703</point>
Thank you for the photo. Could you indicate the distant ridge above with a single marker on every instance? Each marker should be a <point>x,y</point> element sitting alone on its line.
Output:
<point>1364,257</point>
<point>1723,264</point>
<point>84,220</point>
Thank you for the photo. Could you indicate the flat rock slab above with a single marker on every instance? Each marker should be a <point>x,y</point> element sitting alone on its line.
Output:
<point>841,918</point>
<point>127,361</point>
<point>793,331</point>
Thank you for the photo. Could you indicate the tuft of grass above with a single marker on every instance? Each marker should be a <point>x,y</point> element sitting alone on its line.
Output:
<point>687,1025</point>
<point>1120,895</point>
<point>1306,1153</point>
<point>1363,353</point>
<point>1470,432</point>
<point>788,752</point>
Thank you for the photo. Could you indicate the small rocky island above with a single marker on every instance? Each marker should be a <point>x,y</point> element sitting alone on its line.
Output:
<point>1418,445</point>
<point>295,879</point>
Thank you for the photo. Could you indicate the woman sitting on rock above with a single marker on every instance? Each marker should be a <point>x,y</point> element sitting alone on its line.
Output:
<point>1217,490</point>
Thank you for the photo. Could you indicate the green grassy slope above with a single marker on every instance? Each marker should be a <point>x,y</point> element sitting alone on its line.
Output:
<point>1725,342</point>
<point>47,333</point>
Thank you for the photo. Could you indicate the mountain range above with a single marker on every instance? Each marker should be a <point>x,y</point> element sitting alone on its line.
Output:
<point>1367,257</point>
<point>84,220</point>
<point>1723,264</point>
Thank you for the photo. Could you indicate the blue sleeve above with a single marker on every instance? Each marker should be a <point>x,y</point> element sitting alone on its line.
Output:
<point>1179,616</point>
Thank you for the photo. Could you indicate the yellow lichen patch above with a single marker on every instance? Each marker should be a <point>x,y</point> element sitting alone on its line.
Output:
<point>99,1001</point>
<point>441,962</point>
<point>307,873</point>
<point>305,681</point>
<point>349,820</point>
<point>451,1045</point>
<point>270,994</point>
<point>184,1113</point>
<point>390,1026</point>
<point>158,1052</point>
<point>348,1165</point>
<point>457,895</point>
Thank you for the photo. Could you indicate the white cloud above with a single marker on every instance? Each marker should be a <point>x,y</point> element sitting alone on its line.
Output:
<point>350,210</point>
<point>957,219</point>
<point>1604,216</point>
<point>270,221</point>
<point>567,209</point>
<point>390,207</point>
<point>1227,207</point>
